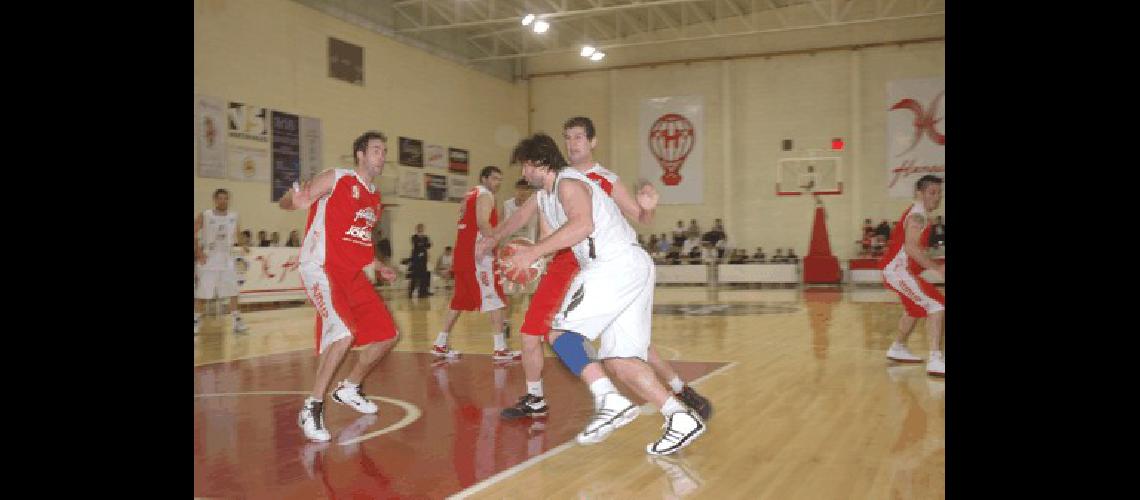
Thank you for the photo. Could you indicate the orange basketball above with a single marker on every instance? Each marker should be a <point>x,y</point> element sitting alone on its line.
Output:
<point>518,276</point>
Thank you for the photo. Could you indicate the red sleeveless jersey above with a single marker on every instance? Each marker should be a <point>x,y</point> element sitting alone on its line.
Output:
<point>898,237</point>
<point>338,233</point>
<point>468,228</point>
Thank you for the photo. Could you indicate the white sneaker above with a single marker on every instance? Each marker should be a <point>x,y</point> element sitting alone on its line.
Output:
<point>900,353</point>
<point>443,351</point>
<point>613,412</point>
<point>681,429</point>
<point>239,327</point>
<point>351,396</point>
<point>312,420</point>
<point>937,365</point>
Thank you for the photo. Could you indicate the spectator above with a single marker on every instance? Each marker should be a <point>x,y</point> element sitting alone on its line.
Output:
<point>679,234</point>
<point>262,239</point>
<point>418,262</point>
<point>779,257</point>
<point>721,246</point>
<point>443,267</point>
<point>275,239</point>
<point>791,256</point>
<point>884,230</point>
<point>695,253</point>
<point>651,247</point>
<point>294,239</point>
<point>383,246</point>
<point>663,245</point>
<point>868,226</point>
<point>691,243</point>
<point>674,255</point>
<point>246,238</point>
<point>759,255</point>
<point>694,229</point>
<point>739,256</point>
<point>708,254</point>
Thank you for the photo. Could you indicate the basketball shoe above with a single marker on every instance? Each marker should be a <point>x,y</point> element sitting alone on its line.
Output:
<point>681,429</point>
<point>312,420</point>
<point>351,396</point>
<point>613,412</point>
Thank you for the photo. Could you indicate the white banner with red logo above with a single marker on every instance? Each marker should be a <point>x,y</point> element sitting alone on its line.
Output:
<point>916,133</point>
<point>672,136</point>
<point>270,274</point>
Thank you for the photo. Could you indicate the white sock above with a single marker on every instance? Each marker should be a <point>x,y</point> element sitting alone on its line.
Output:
<point>676,384</point>
<point>500,342</point>
<point>672,406</point>
<point>602,386</point>
<point>441,339</point>
<point>534,388</point>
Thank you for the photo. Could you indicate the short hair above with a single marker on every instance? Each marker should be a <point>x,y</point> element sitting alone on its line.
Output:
<point>540,149</point>
<point>447,248</point>
<point>361,143</point>
<point>927,180</point>
<point>580,121</point>
<point>488,170</point>
<point>221,191</point>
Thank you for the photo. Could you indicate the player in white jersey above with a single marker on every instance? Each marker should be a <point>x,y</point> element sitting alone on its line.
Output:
<point>610,299</point>
<point>215,232</point>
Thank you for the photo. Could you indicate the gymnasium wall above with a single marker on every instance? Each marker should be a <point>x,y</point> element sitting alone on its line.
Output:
<point>273,53</point>
<point>751,104</point>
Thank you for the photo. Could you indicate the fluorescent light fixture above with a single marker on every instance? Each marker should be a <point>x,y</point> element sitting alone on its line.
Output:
<point>597,56</point>
<point>541,26</point>
<point>528,19</point>
<point>587,50</point>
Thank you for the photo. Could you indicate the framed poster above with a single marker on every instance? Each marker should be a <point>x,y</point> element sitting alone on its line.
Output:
<point>411,152</point>
<point>457,160</point>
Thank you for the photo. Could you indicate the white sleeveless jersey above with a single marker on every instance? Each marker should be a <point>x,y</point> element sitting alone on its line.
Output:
<point>612,237</point>
<point>217,239</point>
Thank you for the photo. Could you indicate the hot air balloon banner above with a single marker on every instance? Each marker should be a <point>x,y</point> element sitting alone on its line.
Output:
<point>672,131</point>
<point>916,133</point>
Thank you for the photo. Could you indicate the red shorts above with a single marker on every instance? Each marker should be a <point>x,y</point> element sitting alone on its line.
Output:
<point>548,295</point>
<point>477,284</point>
<point>347,306</point>
<point>919,297</point>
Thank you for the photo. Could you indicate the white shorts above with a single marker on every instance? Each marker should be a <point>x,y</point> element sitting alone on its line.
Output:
<point>612,300</point>
<point>212,283</point>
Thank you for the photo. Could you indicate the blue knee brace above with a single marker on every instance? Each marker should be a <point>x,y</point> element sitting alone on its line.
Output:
<point>571,349</point>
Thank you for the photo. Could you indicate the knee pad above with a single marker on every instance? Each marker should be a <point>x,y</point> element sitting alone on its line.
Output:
<point>571,349</point>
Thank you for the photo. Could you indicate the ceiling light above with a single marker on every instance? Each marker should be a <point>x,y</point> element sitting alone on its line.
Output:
<point>597,56</point>
<point>587,50</point>
<point>541,26</point>
<point>528,19</point>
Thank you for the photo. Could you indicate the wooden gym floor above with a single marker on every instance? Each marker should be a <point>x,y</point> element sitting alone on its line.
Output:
<point>805,406</point>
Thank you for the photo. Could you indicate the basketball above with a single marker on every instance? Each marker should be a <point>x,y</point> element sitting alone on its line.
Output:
<point>518,276</point>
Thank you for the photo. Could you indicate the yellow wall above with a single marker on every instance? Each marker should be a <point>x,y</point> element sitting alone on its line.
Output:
<point>273,53</point>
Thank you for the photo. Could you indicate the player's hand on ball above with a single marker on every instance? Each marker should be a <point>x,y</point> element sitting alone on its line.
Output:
<point>522,258</point>
<point>647,196</point>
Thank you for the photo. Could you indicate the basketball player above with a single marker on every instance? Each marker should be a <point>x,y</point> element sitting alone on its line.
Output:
<point>343,207</point>
<point>215,263</point>
<point>611,297</point>
<point>581,139</point>
<point>477,286</point>
<point>529,230</point>
<point>902,267</point>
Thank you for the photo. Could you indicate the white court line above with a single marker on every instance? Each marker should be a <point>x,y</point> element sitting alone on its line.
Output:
<point>511,471</point>
<point>411,411</point>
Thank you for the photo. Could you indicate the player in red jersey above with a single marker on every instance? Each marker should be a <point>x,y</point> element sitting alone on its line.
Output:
<point>902,267</point>
<point>343,207</point>
<point>581,139</point>
<point>477,283</point>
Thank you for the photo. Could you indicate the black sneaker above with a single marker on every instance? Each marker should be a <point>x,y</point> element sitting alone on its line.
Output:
<point>529,405</point>
<point>696,401</point>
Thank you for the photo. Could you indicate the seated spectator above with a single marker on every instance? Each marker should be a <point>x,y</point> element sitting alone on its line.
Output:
<point>791,256</point>
<point>275,239</point>
<point>246,239</point>
<point>779,257</point>
<point>708,254</point>
<point>689,244</point>
<point>262,239</point>
<point>651,246</point>
<point>674,255</point>
<point>721,247</point>
<point>679,234</point>
<point>294,239</point>
<point>884,230</point>
<point>868,226</point>
<point>759,255</point>
<point>694,254</point>
<point>694,229</point>
<point>663,245</point>
<point>739,256</point>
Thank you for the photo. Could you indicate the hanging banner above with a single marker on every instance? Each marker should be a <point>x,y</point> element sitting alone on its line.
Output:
<point>310,147</point>
<point>211,119</point>
<point>916,133</point>
<point>286,157</point>
<point>672,135</point>
<point>247,148</point>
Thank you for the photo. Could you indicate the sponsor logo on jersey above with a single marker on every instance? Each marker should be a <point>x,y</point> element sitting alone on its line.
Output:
<point>356,192</point>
